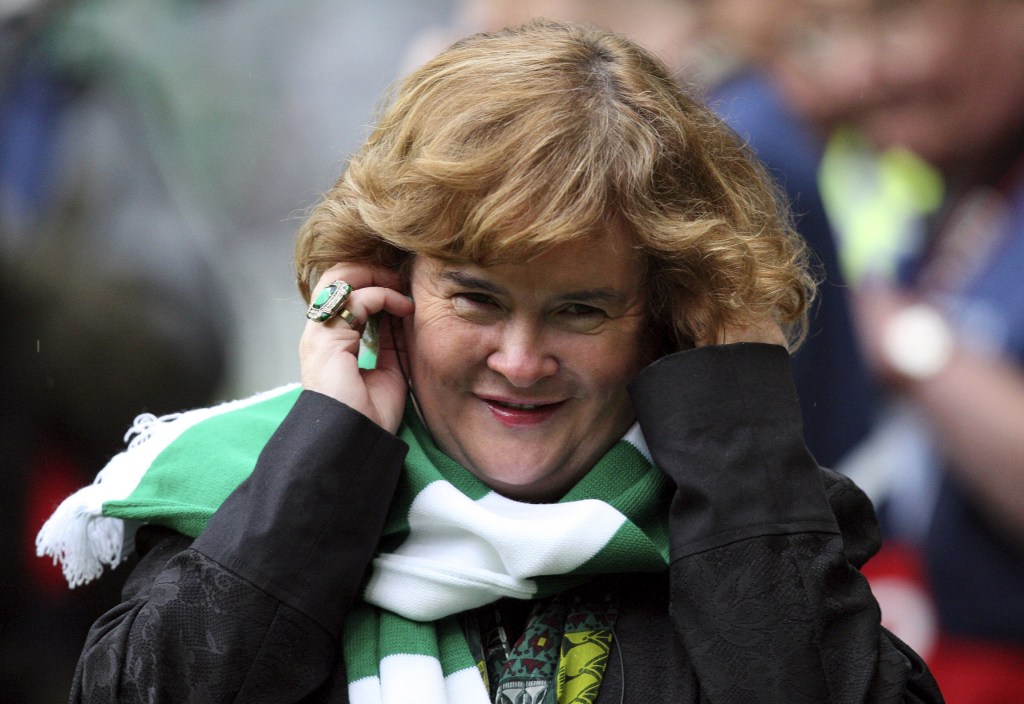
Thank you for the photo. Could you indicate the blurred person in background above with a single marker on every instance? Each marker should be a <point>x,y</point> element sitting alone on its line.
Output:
<point>671,29</point>
<point>105,314</point>
<point>137,141</point>
<point>937,253</point>
<point>838,396</point>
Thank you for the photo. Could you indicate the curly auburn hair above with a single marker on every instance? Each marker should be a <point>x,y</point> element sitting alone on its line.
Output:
<point>511,142</point>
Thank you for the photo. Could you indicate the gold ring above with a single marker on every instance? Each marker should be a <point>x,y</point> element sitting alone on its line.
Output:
<point>347,315</point>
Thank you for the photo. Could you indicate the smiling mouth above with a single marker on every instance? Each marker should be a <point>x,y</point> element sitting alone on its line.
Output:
<point>516,413</point>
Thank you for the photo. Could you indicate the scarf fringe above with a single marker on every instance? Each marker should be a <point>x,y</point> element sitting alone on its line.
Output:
<point>78,535</point>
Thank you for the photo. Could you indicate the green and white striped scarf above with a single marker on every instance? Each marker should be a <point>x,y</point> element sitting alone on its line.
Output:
<point>450,544</point>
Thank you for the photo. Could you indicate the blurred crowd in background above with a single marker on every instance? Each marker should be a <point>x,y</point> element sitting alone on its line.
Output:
<point>156,157</point>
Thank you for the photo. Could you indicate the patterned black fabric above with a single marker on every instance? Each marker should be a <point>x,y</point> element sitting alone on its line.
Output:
<point>760,634</point>
<point>192,631</point>
<point>184,642</point>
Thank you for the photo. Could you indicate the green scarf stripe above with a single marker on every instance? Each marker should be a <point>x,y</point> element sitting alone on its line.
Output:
<point>629,483</point>
<point>630,546</point>
<point>360,637</point>
<point>187,519</point>
<point>400,635</point>
<point>370,635</point>
<point>623,477</point>
<point>450,470</point>
<point>424,454</point>
<point>164,499</point>
<point>625,480</point>
<point>455,652</point>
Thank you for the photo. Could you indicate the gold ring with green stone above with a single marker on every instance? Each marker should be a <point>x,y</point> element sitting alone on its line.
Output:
<point>329,301</point>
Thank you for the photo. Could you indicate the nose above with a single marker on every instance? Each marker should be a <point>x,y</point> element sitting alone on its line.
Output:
<point>520,354</point>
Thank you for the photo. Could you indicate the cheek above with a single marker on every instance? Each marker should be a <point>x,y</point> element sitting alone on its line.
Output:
<point>439,348</point>
<point>611,364</point>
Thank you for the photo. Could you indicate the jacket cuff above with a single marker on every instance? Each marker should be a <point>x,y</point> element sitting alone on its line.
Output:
<point>305,525</point>
<point>723,422</point>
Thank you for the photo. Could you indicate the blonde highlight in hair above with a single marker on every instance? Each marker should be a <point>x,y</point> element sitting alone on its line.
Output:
<point>510,143</point>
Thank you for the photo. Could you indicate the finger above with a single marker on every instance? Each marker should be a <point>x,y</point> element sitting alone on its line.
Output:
<point>342,333</point>
<point>359,276</point>
<point>391,334</point>
<point>366,302</point>
<point>765,331</point>
<point>353,276</point>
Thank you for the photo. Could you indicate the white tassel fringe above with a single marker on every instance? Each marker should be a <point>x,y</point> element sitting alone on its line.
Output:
<point>78,535</point>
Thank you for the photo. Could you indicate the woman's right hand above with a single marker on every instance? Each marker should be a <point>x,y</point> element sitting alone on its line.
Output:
<point>329,351</point>
<point>764,330</point>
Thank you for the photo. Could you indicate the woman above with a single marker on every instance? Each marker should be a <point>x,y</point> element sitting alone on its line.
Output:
<point>557,245</point>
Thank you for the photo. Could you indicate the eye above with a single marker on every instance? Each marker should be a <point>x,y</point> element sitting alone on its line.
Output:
<point>474,300</point>
<point>475,305</point>
<point>581,317</point>
<point>582,310</point>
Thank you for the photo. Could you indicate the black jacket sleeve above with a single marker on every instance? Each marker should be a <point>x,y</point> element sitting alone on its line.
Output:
<point>765,598</point>
<point>252,609</point>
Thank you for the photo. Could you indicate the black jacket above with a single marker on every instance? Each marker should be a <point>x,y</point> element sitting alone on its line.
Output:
<point>763,601</point>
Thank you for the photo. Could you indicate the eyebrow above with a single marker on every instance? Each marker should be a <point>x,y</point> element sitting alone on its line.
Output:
<point>590,295</point>
<point>467,280</point>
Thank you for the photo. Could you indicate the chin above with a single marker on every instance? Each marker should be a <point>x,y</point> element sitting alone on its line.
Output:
<point>525,483</point>
<point>530,494</point>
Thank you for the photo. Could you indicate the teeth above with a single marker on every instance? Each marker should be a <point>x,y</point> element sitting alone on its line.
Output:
<point>521,406</point>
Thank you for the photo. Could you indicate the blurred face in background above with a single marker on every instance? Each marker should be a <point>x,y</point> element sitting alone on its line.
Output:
<point>672,29</point>
<point>944,78</point>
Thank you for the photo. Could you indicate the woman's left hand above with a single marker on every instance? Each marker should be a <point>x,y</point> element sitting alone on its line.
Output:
<point>766,331</point>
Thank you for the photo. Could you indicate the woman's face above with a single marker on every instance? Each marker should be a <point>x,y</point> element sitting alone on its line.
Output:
<point>520,370</point>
